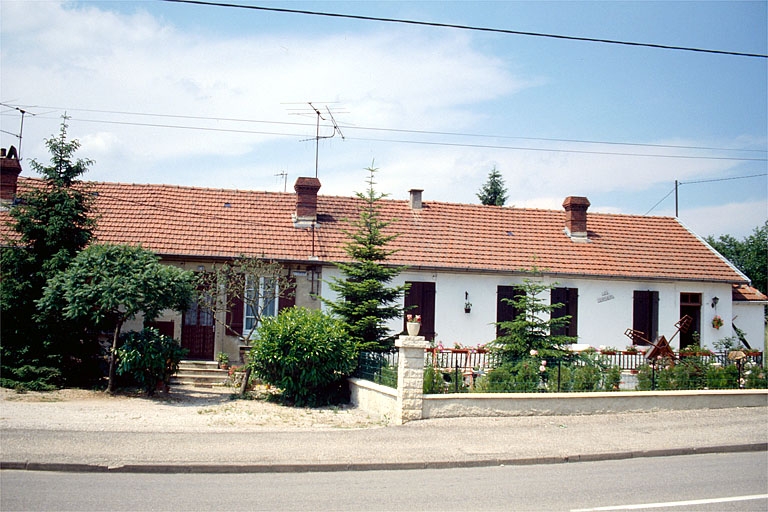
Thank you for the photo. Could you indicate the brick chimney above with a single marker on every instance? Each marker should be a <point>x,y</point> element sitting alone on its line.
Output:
<point>10,168</point>
<point>576,217</point>
<point>415,198</point>
<point>306,202</point>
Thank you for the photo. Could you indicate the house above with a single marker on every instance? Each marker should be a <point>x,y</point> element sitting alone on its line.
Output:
<point>612,272</point>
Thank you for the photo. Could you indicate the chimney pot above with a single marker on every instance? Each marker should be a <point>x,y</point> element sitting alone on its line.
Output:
<point>416,198</point>
<point>10,168</point>
<point>576,217</point>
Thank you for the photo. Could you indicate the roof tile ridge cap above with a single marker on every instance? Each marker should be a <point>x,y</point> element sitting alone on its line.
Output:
<point>712,249</point>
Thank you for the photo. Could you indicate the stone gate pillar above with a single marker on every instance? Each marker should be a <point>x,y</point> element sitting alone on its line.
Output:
<point>410,378</point>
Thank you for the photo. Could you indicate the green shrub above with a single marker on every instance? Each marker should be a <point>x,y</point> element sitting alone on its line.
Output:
<point>386,376</point>
<point>31,378</point>
<point>560,378</point>
<point>586,377</point>
<point>644,377</point>
<point>305,353</point>
<point>612,379</point>
<point>755,376</point>
<point>722,377</point>
<point>149,357</point>
<point>433,381</point>
<point>520,377</point>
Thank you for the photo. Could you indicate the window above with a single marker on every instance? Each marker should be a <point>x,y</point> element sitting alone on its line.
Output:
<point>569,298</point>
<point>645,314</point>
<point>263,300</point>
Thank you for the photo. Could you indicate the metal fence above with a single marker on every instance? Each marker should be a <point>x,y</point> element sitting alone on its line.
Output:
<point>378,366</point>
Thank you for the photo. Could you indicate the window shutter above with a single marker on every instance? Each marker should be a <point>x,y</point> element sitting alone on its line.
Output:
<point>289,301</point>
<point>505,312</point>
<point>235,317</point>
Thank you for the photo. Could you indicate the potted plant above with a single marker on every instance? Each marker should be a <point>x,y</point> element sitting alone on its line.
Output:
<point>467,307</point>
<point>223,359</point>
<point>607,351</point>
<point>631,349</point>
<point>413,324</point>
<point>717,322</point>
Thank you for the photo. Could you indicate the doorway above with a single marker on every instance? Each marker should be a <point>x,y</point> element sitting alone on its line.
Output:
<point>690,304</point>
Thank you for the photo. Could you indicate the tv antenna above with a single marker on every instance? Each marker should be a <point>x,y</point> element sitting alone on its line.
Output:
<point>21,128</point>
<point>325,116</point>
<point>284,175</point>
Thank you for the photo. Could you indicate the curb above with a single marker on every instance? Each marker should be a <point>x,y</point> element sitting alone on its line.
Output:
<point>374,466</point>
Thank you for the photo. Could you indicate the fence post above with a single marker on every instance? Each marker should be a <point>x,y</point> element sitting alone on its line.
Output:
<point>410,378</point>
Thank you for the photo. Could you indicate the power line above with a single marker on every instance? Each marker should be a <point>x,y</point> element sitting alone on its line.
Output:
<point>380,129</point>
<point>712,180</point>
<point>437,143</point>
<point>469,27</point>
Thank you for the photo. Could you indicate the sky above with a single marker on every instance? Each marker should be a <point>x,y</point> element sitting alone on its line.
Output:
<point>223,97</point>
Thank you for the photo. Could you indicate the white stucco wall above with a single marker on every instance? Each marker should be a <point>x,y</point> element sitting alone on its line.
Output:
<point>604,311</point>
<point>750,318</point>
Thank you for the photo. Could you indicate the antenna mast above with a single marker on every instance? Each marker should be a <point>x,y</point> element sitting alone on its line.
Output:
<point>319,115</point>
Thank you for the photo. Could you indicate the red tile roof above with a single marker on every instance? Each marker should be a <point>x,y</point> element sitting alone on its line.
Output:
<point>191,222</point>
<point>742,292</point>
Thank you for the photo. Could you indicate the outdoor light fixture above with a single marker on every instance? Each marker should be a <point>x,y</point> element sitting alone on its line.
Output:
<point>715,300</point>
<point>467,304</point>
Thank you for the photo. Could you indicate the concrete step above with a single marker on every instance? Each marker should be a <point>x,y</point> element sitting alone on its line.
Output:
<point>200,374</point>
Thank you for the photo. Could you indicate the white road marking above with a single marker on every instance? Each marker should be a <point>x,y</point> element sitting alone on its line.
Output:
<point>641,506</point>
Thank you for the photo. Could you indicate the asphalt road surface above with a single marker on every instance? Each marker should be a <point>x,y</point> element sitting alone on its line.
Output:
<point>713,482</point>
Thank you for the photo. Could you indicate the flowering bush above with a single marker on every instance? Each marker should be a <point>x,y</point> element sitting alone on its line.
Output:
<point>413,318</point>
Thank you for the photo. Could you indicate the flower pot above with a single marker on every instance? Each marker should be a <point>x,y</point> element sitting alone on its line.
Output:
<point>413,328</point>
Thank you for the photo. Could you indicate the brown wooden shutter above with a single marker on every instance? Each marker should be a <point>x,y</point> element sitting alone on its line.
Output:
<point>287,297</point>
<point>506,312</point>
<point>569,298</point>
<point>235,317</point>
<point>645,313</point>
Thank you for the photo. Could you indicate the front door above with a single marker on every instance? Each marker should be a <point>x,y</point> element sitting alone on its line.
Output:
<point>690,304</point>
<point>197,332</point>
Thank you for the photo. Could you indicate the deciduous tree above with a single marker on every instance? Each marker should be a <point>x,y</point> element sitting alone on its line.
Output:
<point>109,284</point>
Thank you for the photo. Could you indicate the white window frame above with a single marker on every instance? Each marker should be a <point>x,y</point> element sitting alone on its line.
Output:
<point>267,304</point>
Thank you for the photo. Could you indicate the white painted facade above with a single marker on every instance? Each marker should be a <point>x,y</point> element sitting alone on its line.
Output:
<point>605,306</point>
<point>749,316</point>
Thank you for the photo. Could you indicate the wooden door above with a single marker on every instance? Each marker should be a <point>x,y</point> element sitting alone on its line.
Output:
<point>197,332</point>
<point>421,296</point>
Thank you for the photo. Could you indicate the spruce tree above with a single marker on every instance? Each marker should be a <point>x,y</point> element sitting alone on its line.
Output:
<point>365,298</point>
<point>52,224</point>
<point>493,192</point>
<point>532,328</point>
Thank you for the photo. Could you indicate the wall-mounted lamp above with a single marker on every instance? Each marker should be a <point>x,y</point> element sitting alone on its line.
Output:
<point>715,300</point>
<point>467,304</point>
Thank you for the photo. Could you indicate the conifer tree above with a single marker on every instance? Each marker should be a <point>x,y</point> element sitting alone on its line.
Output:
<point>365,298</point>
<point>493,193</point>
<point>52,224</point>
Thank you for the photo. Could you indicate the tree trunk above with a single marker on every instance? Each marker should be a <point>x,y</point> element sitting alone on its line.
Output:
<point>246,378</point>
<point>113,358</point>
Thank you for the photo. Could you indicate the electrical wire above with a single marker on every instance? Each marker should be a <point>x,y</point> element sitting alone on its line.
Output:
<point>443,144</point>
<point>467,27</point>
<point>380,129</point>
<point>712,180</point>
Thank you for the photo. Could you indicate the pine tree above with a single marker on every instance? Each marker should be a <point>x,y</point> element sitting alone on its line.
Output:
<point>493,192</point>
<point>532,328</point>
<point>365,299</point>
<point>52,224</point>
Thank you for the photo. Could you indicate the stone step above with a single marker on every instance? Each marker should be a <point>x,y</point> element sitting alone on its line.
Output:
<point>200,374</point>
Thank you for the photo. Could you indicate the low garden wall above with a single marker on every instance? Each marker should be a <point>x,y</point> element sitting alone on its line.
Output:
<point>408,403</point>
<point>543,404</point>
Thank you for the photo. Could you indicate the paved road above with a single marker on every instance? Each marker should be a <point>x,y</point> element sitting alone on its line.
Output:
<point>722,482</point>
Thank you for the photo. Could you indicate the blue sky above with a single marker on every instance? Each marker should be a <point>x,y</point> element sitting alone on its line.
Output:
<point>205,96</point>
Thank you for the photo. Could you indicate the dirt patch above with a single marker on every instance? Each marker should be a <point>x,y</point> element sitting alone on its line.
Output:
<point>184,409</point>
